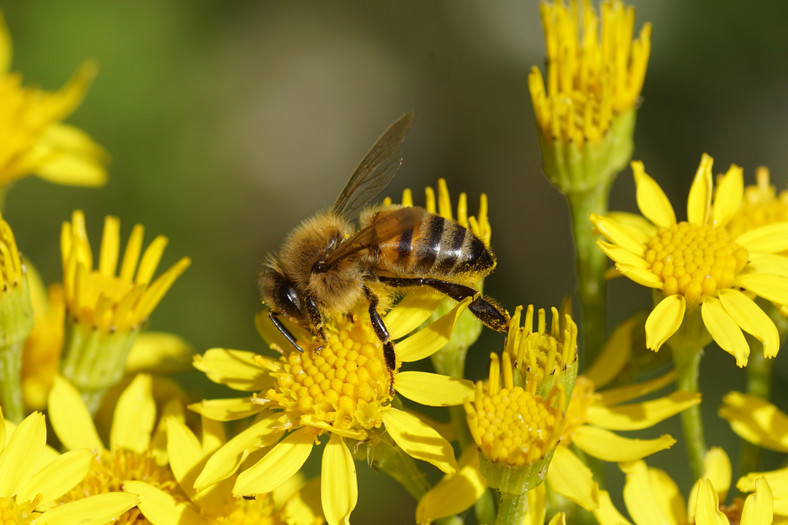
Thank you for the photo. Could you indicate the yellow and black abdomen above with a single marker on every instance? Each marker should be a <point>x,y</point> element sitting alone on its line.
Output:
<point>436,247</point>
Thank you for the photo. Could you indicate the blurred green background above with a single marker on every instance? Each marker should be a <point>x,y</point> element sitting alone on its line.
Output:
<point>228,122</point>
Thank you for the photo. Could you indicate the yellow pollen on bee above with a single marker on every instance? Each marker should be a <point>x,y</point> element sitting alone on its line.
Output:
<point>341,384</point>
<point>695,261</point>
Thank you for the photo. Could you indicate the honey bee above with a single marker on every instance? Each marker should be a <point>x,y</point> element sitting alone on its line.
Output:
<point>325,266</point>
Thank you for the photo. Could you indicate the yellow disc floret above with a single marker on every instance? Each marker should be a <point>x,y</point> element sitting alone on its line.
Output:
<point>761,205</point>
<point>343,384</point>
<point>695,260</point>
<point>13,513</point>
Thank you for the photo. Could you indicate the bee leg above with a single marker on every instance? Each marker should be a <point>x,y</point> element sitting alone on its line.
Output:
<point>315,321</point>
<point>284,331</point>
<point>487,312</point>
<point>383,334</point>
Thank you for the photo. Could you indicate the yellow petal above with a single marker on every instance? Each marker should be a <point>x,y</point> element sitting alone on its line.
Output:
<point>621,255</point>
<point>759,507</point>
<point>771,287</point>
<point>455,493</point>
<point>93,510</point>
<point>771,238</point>
<point>707,506</point>
<point>664,320</point>
<point>751,319</point>
<point>730,188</point>
<point>271,333</point>
<point>761,262</point>
<point>184,453</point>
<point>613,396</point>
<point>70,418</point>
<point>607,514</point>
<point>724,330</point>
<point>67,155</point>
<point>227,409</point>
<point>641,276</point>
<point>430,339</point>
<point>537,508</point>
<point>135,415</point>
<point>637,416</point>
<point>652,497</point>
<point>280,464</point>
<point>433,390</point>
<point>58,477</point>
<point>651,200</point>
<point>228,458</point>
<point>608,446</point>
<point>160,507</point>
<point>756,420</point>
<point>21,453</point>
<point>419,440</point>
<point>159,352</point>
<point>237,369</point>
<point>636,225</point>
<point>569,476</point>
<point>617,234</point>
<point>614,356</point>
<point>778,484</point>
<point>717,469</point>
<point>338,484</point>
<point>699,199</point>
<point>411,312</point>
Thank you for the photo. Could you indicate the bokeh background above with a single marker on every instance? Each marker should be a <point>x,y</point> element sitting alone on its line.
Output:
<point>228,122</point>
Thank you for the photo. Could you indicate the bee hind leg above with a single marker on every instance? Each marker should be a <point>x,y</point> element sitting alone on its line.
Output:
<point>389,355</point>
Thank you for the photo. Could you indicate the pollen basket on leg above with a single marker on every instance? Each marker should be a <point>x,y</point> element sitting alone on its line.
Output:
<point>345,384</point>
<point>695,261</point>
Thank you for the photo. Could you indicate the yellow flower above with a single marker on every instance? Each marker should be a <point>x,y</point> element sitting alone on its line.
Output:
<point>652,497</point>
<point>33,138</point>
<point>760,205</point>
<point>187,455</point>
<point>698,263</point>
<point>136,450</point>
<point>342,391</point>
<point>33,477</point>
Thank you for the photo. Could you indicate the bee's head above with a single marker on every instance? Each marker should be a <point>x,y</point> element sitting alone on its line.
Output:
<point>280,294</point>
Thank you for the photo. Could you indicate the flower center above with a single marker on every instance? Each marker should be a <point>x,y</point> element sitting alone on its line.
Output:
<point>250,512</point>
<point>695,260</point>
<point>345,384</point>
<point>513,426</point>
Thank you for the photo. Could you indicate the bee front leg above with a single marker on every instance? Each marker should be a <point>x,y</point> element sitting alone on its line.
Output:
<point>316,321</point>
<point>389,355</point>
<point>274,317</point>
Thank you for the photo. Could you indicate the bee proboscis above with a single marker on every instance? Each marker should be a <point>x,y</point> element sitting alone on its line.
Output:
<point>325,266</point>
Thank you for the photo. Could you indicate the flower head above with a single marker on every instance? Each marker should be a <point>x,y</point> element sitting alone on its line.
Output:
<point>341,392</point>
<point>16,314</point>
<point>33,138</point>
<point>698,263</point>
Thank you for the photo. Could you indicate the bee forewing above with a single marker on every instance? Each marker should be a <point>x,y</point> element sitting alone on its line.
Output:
<point>375,171</point>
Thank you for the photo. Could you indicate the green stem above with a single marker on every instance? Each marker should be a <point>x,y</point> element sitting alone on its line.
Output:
<point>759,383</point>
<point>512,509</point>
<point>11,382</point>
<point>686,359</point>
<point>591,264</point>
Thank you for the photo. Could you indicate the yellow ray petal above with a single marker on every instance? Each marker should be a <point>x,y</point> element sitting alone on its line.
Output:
<point>778,483</point>
<point>724,330</point>
<point>642,276</point>
<point>651,199</point>
<point>570,477</point>
<point>537,508</point>
<point>621,255</point>
<point>280,464</point>
<point>730,188</point>
<point>707,505</point>
<point>717,468</point>
<point>455,493</point>
<point>613,396</point>
<point>617,234</point>
<point>93,510</point>
<point>771,287</point>
<point>699,199</point>
<point>614,356</point>
<point>607,514</point>
<point>419,440</point>
<point>751,319</point>
<point>160,507</point>
<point>338,484</point>
<point>636,225</point>
<point>430,339</point>
<point>21,453</point>
<point>759,507</point>
<point>159,352</point>
<point>70,418</point>
<point>227,409</point>
<point>58,477</point>
<point>411,312</point>
<point>184,452</point>
<point>651,496</point>
<point>664,320</point>
<point>135,415</point>
<point>237,369</point>
<point>761,262</point>
<point>637,416</point>
<point>771,238</point>
<point>228,458</point>
<point>756,420</point>
<point>433,390</point>
<point>608,446</point>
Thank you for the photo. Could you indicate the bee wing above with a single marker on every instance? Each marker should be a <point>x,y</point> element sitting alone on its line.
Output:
<point>386,226</point>
<point>375,171</point>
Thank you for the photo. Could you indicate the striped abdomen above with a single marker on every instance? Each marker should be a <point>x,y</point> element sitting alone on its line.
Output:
<point>435,247</point>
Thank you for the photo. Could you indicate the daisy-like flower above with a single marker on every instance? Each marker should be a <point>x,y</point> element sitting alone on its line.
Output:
<point>652,497</point>
<point>341,392</point>
<point>32,138</point>
<point>136,451</point>
<point>697,263</point>
<point>106,306</point>
<point>33,477</point>
<point>216,505</point>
